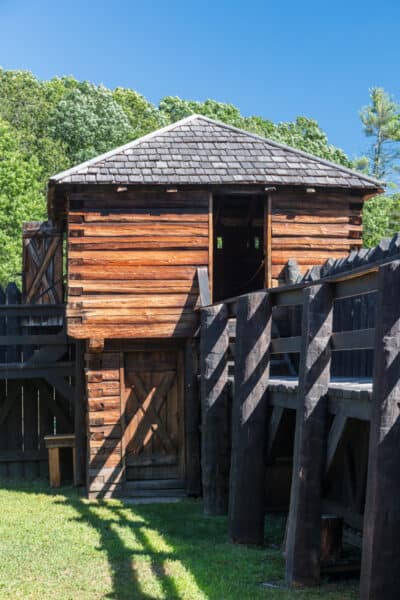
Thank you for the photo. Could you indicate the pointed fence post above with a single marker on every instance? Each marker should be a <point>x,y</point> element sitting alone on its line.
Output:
<point>380,570</point>
<point>303,545</point>
<point>249,413</point>
<point>215,435</point>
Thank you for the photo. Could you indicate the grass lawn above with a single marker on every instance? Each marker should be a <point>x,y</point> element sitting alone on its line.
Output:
<point>60,546</point>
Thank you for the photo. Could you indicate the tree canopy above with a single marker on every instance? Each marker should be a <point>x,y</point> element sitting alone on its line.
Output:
<point>47,126</point>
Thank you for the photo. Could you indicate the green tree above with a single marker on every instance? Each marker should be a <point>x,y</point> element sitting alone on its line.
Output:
<point>26,105</point>
<point>89,121</point>
<point>143,115</point>
<point>21,199</point>
<point>381,120</point>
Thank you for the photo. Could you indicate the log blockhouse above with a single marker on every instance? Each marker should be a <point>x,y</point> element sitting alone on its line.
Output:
<point>139,222</point>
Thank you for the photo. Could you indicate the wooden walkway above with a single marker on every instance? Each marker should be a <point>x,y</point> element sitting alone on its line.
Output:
<point>234,470</point>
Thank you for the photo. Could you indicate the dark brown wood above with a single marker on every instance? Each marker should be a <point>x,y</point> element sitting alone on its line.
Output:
<point>380,572</point>
<point>249,412</point>
<point>304,537</point>
<point>192,421</point>
<point>215,438</point>
<point>80,415</point>
<point>141,254</point>
<point>42,263</point>
<point>331,538</point>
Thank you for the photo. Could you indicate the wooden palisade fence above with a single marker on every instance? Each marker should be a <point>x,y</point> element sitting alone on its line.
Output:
<point>320,420</point>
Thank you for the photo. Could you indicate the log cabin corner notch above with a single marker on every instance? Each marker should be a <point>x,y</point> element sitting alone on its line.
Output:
<point>139,221</point>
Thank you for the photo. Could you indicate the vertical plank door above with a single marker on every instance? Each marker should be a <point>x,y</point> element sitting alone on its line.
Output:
<point>152,404</point>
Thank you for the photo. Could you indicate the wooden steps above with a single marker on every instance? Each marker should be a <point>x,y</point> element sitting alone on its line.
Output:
<point>155,488</point>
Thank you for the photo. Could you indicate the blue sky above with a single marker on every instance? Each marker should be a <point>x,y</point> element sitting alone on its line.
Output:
<point>278,59</point>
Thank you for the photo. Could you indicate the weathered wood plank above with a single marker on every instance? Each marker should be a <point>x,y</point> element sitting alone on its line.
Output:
<point>192,421</point>
<point>304,530</point>
<point>249,412</point>
<point>214,342</point>
<point>380,572</point>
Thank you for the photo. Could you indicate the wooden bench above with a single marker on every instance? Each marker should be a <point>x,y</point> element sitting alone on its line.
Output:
<point>53,444</point>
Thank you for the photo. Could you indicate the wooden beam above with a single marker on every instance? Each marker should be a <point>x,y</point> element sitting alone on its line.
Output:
<point>96,345</point>
<point>304,529</point>
<point>80,415</point>
<point>249,414</point>
<point>273,426</point>
<point>204,286</point>
<point>268,240</point>
<point>211,244</point>
<point>335,433</point>
<point>42,269</point>
<point>380,571</point>
<point>192,421</point>
<point>215,449</point>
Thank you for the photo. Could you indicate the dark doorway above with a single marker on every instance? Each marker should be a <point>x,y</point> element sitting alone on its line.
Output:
<point>239,248</point>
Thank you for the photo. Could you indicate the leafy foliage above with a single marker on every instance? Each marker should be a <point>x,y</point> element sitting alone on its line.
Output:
<point>381,120</point>
<point>47,126</point>
<point>381,218</point>
<point>21,199</point>
<point>89,122</point>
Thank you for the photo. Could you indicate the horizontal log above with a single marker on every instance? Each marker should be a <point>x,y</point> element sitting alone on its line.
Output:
<point>306,257</point>
<point>143,331</point>
<point>142,258</point>
<point>302,243</point>
<point>134,287</point>
<point>322,217</point>
<point>142,229</point>
<point>293,228</point>
<point>138,199</point>
<point>140,215</point>
<point>136,243</point>
<point>102,317</point>
<point>123,301</point>
<point>111,271</point>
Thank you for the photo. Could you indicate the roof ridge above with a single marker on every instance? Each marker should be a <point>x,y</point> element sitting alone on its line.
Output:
<point>292,149</point>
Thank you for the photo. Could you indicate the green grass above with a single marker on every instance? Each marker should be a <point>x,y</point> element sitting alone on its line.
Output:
<point>60,546</point>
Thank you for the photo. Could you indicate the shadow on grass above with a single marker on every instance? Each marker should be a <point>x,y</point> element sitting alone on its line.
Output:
<point>153,550</point>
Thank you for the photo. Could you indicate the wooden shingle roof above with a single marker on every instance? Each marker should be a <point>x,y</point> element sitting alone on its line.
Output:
<point>199,150</point>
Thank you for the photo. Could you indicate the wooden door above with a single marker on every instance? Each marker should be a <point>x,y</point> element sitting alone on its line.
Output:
<point>153,415</point>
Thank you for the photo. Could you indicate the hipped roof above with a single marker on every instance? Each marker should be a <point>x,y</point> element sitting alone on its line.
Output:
<point>200,151</point>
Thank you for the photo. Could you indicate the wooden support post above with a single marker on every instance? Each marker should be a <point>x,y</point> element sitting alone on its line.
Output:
<point>304,529</point>
<point>192,422</point>
<point>215,442</point>
<point>331,538</point>
<point>80,415</point>
<point>380,570</point>
<point>54,467</point>
<point>249,413</point>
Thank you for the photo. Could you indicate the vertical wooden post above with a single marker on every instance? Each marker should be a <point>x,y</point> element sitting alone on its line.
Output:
<point>249,412</point>
<point>380,570</point>
<point>80,415</point>
<point>192,422</point>
<point>304,529</point>
<point>215,443</point>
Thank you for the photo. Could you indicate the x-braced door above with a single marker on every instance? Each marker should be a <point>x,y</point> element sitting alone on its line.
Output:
<point>152,403</point>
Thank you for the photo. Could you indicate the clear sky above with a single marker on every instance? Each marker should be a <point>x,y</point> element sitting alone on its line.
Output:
<point>274,58</point>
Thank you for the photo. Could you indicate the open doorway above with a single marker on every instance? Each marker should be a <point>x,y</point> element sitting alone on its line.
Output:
<point>239,246</point>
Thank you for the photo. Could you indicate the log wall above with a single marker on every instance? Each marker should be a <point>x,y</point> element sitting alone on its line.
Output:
<point>312,227</point>
<point>132,260</point>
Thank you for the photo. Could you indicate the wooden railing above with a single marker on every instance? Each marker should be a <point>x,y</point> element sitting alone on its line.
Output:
<point>41,385</point>
<point>234,473</point>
